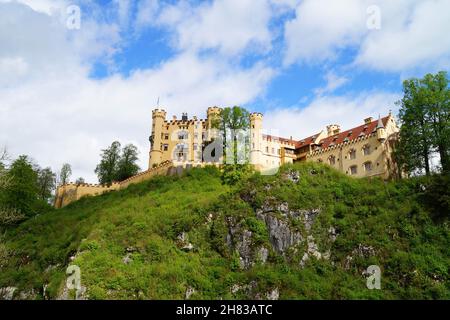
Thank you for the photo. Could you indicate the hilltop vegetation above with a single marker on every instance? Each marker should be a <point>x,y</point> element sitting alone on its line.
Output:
<point>308,232</point>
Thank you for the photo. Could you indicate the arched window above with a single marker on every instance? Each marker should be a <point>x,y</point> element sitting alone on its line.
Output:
<point>353,170</point>
<point>367,166</point>
<point>332,160</point>
<point>352,154</point>
<point>366,150</point>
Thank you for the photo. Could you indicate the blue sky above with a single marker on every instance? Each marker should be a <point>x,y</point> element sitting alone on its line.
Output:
<point>67,92</point>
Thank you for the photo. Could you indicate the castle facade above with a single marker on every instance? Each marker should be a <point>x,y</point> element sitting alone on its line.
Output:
<point>363,151</point>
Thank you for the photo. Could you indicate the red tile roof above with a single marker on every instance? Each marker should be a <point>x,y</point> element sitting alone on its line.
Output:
<point>352,134</point>
<point>306,141</point>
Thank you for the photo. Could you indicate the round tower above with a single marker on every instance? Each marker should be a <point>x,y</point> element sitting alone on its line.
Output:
<point>158,118</point>
<point>381,131</point>
<point>256,138</point>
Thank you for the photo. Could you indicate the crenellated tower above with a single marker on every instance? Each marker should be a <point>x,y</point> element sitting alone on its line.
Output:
<point>158,118</point>
<point>213,114</point>
<point>256,119</point>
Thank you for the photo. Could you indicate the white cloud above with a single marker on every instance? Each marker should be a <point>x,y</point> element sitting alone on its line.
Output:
<point>348,111</point>
<point>421,39</point>
<point>334,82</point>
<point>48,7</point>
<point>146,13</point>
<point>230,26</point>
<point>322,27</point>
<point>413,33</point>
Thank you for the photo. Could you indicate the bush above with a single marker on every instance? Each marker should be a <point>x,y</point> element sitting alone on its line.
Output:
<point>232,174</point>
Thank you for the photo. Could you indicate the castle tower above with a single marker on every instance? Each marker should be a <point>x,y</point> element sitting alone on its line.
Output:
<point>256,138</point>
<point>158,118</point>
<point>381,131</point>
<point>213,113</point>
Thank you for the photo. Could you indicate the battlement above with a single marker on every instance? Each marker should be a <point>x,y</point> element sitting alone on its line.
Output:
<point>70,192</point>
<point>214,109</point>
<point>256,116</point>
<point>159,113</point>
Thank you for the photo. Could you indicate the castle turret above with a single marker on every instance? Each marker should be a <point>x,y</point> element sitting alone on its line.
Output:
<point>213,114</point>
<point>381,131</point>
<point>158,118</point>
<point>333,129</point>
<point>256,119</point>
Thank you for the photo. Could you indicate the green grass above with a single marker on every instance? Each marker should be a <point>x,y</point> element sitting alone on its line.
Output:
<point>412,249</point>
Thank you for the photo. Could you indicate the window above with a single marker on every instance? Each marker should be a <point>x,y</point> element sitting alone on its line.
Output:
<point>180,153</point>
<point>332,160</point>
<point>353,170</point>
<point>273,150</point>
<point>195,146</point>
<point>352,154</point>
<point>166,136</point>
<point>367,166</point>
<point>165,147</point>
<point>182,135</point>
<point>366,150</point>
<point>267,149</point>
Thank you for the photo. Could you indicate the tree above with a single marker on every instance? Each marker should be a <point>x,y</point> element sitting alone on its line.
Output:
<point>117,164</point>
<point>8,215</point>
<point>127,166</point>
<point>414,149</point>
<point>80,181</point>
<point>64,174</point>
<point>4,179</point>
<point>22,193</point>
<point>46,183</point>
<point>229,123</point>
<point>425,123</point>
<point>107,169</point>
<point>437,104</point>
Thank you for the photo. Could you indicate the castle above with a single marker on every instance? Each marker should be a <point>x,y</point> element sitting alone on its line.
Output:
<point>363,151</point>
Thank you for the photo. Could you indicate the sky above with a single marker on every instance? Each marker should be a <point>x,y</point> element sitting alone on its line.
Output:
<point>78,75</point>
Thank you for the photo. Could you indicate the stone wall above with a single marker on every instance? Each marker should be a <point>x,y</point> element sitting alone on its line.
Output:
<point>72,192</point>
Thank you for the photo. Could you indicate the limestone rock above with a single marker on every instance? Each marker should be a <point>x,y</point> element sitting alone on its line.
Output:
<point>280,234</point>
<point>7,293</point>
<point>292,175</point>
<point>189,292</point>
<point>273,295</point>
<point>127,259</point>
<point>263,254</point>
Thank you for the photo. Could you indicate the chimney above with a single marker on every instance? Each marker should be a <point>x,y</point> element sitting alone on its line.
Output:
<point>368,120</point>
<point>174,117</point>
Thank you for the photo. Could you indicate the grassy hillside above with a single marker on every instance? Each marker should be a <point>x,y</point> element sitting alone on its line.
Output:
<point>308,232</point>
